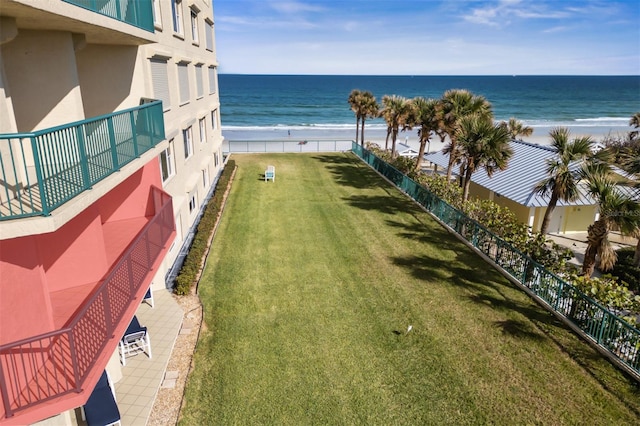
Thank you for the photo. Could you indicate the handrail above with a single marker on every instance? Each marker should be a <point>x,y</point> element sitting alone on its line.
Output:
<point>52,364</point>
<point>43,169</point>
<point>615,337</point>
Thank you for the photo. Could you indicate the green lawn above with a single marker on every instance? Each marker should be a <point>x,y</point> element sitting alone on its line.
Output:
<point>309,289</point>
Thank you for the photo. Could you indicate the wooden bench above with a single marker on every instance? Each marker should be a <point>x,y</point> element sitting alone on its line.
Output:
<point>270,173</point>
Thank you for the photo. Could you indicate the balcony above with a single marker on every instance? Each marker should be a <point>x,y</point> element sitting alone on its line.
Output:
<point>45,370</point>
<point>42,170</point>
<point>135,12</point>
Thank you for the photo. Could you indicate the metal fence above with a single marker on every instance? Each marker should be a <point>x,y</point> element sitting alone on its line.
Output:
<point>613,335</point>
<point>283,145</point>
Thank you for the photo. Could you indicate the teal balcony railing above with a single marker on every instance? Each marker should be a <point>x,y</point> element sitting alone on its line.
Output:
<point>135,12</point>
<point>42,170</point>
<point>612,334</point>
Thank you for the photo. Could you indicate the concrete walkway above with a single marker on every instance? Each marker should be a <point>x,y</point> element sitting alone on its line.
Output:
<point>577,243</point>
<point>142,377</point>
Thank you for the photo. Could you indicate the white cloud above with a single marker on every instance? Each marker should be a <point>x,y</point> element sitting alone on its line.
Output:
<point>292,7</point>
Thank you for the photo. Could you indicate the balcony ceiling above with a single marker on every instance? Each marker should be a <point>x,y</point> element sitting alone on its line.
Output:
<point>98,29</point>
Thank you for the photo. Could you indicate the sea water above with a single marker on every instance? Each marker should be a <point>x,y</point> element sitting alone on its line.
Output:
<point>258,107</point>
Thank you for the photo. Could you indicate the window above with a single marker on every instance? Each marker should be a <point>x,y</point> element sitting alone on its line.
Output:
<point>205,178</point>
<point>167,165</point>
<point>160,81</point>
<point>199,90</point>
<point>194,26</point>
<point>215,159</point>
<point>176,8</point>
<point>183,82</point>
<point>192,202</point>
<point>203,130</point>
<point>214,119</point>
<point>157,17</point>
<point>208,34</point>
<point>187,137</point>
<point>212,80</point>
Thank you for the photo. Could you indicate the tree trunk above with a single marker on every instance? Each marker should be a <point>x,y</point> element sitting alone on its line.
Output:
<point>466,183</point>
<point>386,141</point>
<point>636,256</point>
<point>596,232</point>
<point>452,159</point>
<point>423,144</point>
<point>357,128</point>
<point>547,214</point>
<point>394,136</point>
<point>362,133</point>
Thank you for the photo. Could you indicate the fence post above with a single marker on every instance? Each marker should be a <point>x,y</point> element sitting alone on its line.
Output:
<point>38,165</point>
<point>84,167</point>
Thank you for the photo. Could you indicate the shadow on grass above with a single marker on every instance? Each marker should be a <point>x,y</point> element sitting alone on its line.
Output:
<point>518,329</point>
<point>350,171</point>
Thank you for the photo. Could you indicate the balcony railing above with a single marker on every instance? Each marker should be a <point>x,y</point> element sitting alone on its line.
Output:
<point>48,366</point>
<point>42,170</point>
<point>135,12</point>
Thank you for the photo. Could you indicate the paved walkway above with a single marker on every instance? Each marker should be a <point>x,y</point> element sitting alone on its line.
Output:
<point>577,243</point>
<point>142,377</point>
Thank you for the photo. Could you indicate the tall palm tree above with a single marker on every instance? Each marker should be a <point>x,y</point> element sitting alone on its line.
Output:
<point>482,144</point>
<point>426,117</point>
<point>396,111</point>
<point>354,101</point>
<point>457,103</point>
<point>517,128</point>
<point>562,177</point>
<point>369,108</point>
<point>635,123</point>
<point>618,211</point>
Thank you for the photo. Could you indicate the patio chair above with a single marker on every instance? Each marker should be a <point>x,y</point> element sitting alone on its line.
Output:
<point>101,408</point>
<point>148,297</point>
<point>135,340</point>
<point>270,173</point>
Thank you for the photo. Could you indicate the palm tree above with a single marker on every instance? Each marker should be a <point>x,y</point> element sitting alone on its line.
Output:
<point>517,128</point>
<point>635,123</point>
<point>369,108</point>
<point>396,112</point>
<point>617,211</point>
<point>562,177</point>
<point>457,103</point>
<point>426,117</point>
<point>354,100</point>
<point>482,144</point>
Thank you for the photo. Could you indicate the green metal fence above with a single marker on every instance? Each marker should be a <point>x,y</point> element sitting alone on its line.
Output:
<point>135,12</point>
<point>610,332</point>
<point>42,170</point>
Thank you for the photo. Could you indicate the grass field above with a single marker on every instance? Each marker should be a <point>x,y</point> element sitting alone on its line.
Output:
<point>309,289</point>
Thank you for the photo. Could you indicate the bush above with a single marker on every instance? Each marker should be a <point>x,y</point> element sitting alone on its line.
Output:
<point>625,271</point>
<point>193,261</point>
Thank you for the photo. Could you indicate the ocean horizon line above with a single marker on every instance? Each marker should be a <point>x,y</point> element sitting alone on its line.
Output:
<point>424,75</point>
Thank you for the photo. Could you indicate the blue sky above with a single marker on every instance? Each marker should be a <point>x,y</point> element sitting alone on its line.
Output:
<point>428,37</point>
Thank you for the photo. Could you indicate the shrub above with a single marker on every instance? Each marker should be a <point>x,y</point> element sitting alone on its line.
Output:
<point>625,271</point>
<point>193,261</point>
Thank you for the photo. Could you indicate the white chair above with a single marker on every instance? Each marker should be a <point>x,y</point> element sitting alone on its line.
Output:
<point>270,173</point>
<point>148,297</point>
<point>135,340</point>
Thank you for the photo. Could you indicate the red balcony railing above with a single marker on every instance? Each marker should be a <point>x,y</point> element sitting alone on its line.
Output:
<point>48,366</point>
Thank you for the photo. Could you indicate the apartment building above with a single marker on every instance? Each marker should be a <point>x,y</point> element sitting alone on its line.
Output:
<point>109,143</point>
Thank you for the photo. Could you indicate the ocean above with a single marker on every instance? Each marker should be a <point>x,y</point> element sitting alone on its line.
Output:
<point>257,107</point>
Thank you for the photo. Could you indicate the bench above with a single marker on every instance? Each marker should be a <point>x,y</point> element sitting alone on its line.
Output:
<point>270,173</point>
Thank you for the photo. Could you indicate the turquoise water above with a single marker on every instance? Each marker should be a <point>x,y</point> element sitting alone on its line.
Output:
<point>272,105</point>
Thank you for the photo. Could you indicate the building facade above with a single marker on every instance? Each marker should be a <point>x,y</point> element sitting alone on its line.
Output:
<point>110,142</point>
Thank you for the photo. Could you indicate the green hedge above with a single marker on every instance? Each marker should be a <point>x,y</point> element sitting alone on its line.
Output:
<point>625,271</point>
<point>191,266</point>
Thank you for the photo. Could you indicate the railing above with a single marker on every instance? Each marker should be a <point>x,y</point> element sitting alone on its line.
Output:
<point>611,333</point>
<point>48,366</point>
<point>280,145</point>
<point>42,170</point>
<point>138,13</point>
